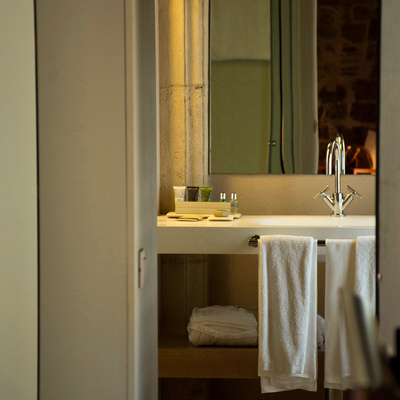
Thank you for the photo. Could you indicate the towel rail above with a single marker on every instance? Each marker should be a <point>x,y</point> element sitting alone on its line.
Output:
<point>253,241</point>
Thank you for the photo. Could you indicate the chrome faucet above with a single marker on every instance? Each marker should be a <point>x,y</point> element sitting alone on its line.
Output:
<point>336,202</point>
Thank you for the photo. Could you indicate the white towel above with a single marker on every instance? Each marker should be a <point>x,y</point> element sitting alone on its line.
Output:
<point>348,265</point>
<point>287,313</point>
<point>340,261</point>
<point>320,333</point>
<point>222,326</point>
<point>366,268</point>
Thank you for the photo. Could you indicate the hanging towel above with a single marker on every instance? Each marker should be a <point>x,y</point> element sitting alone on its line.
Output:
<point>287,313</point>
<point>350,264</point>
<point>340,261</point>
<point>320,333</point>
<point>222,326</point>
<point>365,269</point>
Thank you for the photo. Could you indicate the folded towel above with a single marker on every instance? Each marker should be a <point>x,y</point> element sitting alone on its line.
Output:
<point>231,326</point>
<point>287,313</point>
<point>222,326</point>
<point>350,264</point>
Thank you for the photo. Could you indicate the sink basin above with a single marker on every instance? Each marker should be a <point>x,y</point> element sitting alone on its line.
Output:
<point>316,220</point>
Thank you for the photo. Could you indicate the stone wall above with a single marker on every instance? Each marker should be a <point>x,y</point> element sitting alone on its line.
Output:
<point>183,73</point>
<point>348,69</point>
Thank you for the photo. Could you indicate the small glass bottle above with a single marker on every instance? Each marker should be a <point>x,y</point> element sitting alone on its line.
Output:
<point>222,197</point>
<point>234,204</point>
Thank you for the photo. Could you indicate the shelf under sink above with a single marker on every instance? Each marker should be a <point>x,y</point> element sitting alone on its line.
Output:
<point>177,358</point>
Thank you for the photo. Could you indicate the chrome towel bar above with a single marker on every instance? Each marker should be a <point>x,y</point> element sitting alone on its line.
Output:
<point>253,241</point>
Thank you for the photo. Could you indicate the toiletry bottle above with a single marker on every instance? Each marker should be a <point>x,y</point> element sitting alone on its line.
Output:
<point>222,197</point>
<point>234,203</point>
<point>192,193</point>
<point>205,193</point>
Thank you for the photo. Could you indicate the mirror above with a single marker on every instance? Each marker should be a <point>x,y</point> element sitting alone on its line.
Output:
<point>285,76</point>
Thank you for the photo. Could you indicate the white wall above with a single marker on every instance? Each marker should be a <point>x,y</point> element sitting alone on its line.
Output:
<point>293,194</point>
<point>18,210</point>
<point>183,43</point>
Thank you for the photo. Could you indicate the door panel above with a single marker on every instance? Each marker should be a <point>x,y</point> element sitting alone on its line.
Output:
<point>388,175</point>
<point>18,203</point>
<point>142,198</point>
<point>96,340</point>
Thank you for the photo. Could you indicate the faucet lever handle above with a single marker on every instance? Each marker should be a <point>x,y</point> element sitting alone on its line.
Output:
<point>321,192</point>
<point>350,189</point>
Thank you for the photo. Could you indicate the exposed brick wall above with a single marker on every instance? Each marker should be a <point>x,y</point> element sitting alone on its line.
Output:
<point>348,67</point>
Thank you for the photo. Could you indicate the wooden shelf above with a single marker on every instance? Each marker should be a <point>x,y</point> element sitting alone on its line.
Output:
<point>177,358</point>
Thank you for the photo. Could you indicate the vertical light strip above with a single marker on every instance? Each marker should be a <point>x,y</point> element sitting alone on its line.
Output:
<point>205,97</point>
<point>185,99</point>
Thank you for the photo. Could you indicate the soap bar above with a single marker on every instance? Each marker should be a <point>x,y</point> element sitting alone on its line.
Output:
<point>191,217</point>
<point>221,213</point>
<point>228,218</point>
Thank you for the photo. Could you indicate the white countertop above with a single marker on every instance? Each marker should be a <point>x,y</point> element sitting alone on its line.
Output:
<point>231,237</point>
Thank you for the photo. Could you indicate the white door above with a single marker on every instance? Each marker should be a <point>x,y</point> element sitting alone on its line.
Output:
<point>389,178</point>
<point>142,106</point>
<point>97,152</point>
<point>18,205</point>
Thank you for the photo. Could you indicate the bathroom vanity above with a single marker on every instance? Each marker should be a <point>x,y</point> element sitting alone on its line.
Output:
<point>200,243</point>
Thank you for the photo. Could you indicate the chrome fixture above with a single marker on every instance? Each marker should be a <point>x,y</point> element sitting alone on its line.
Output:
<point>336,202</point>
